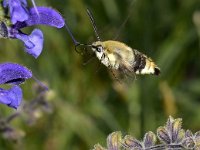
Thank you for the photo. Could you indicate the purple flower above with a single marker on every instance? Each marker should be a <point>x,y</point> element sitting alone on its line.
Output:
<point>42,16</point>
<point>22,17</point>
<point>18,11</point>
<point>33,43</point>
<point>11,97</point>
<point>13,74</point>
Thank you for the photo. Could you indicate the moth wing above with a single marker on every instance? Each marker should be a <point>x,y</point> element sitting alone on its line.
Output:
<point>125,72</point>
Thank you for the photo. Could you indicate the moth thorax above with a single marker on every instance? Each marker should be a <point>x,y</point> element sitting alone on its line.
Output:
<point>104,60</point>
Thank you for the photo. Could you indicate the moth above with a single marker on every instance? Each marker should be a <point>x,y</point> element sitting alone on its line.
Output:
<point>118,56</point>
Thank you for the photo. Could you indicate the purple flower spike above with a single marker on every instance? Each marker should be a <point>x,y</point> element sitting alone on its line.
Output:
<point>43,16</point>
<point>17,9</point>
<point>33,43</point>
<point>22,17</point>
<point>11,97</point>
<point>13,73</point>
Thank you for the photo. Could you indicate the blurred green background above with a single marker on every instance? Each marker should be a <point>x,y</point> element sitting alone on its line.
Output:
<point>87,104</point>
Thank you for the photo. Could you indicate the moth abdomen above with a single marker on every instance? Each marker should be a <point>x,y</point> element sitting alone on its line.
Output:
<point>144,65</point>
<point>139,62</point>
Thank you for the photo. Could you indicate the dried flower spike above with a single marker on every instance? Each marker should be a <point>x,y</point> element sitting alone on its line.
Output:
<point>171,136</point>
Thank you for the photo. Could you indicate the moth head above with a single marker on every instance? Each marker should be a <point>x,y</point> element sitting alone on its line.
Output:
<point>99,49</point>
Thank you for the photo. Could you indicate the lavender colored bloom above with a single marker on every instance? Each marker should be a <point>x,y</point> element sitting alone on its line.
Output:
<point>34,42</point>
<point>11,97</point>
<point>13,74</point>
<point>22,17</point>
<point>18,11</point>
<point>43,16</point>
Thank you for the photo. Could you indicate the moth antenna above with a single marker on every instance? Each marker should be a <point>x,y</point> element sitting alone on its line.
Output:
<point>126,19</point>
<point>93,24</point>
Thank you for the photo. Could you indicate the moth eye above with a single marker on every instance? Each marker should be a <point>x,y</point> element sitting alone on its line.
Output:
<point>99,49</point>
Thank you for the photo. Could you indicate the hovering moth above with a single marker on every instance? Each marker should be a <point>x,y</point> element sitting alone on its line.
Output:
<point>117,56</point>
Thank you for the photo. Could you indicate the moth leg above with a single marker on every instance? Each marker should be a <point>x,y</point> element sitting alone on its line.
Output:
<point>90,59</point>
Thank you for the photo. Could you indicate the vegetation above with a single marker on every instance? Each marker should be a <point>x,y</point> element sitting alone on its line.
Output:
<point>85,104</point>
